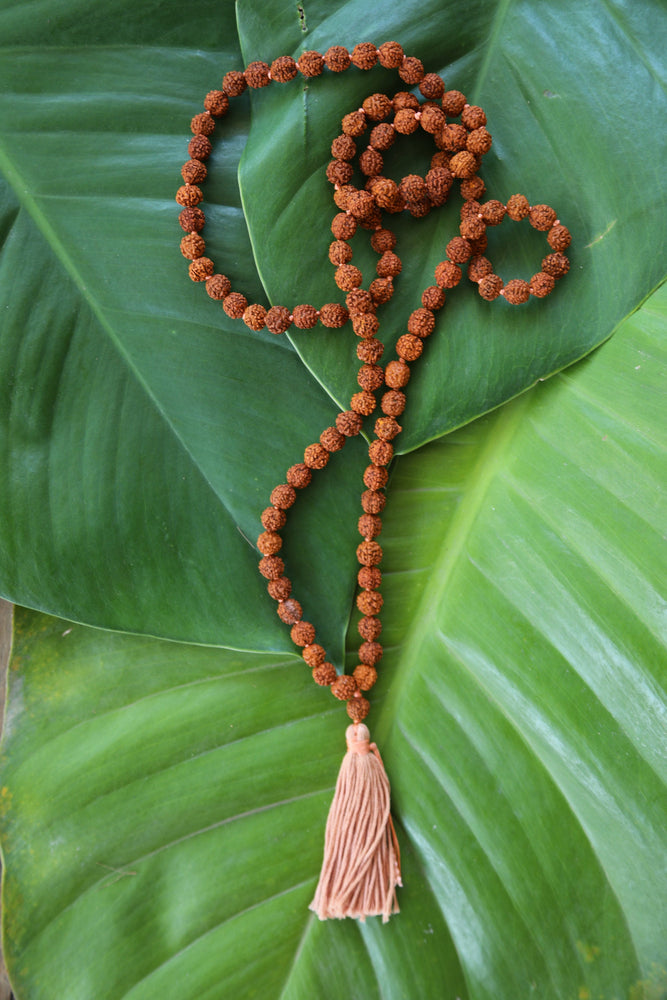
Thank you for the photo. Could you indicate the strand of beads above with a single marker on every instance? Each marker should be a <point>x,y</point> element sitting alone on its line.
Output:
<point>461,145</point>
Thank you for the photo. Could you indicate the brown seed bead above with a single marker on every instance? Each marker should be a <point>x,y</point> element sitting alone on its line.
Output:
<point>453,103</point>
<point>199,147</point>
<point>389,265</point>
<point>283,69</point>
<point>370,652</point>
<point>290,611</point>
<point>201,269</point>
<point>473,189</point>
<point>349,423</point>
<point>202,124</point>
<point>216,103</point>
<point>432,119</point>
<point>325,674</point>
<point>370,377</point>
<point>218,286</point>
<point>332,439</point>
<point>337,59</point>
<point>490,287</point>
<point>385,192</point>
<point>269,542</point>
<point>464,165</point>
<point>387,428</point>
<point>404,99</point>
<point>397,374</point>
<point>273,519</point>
<point>315,456</point>
<point>393,403</point>
<point>452,138</point>
<point>354,123</point>
<point>380,452</point>
<point>421,323</point>
<point>371,162</point>
<point>559,237</point>
<point>479,142</point>
<point>383,240</point>
<point>447,274</point>
<point>369,628</point>
<point>479,246</point>
<point>343,147</point>
<point>235,305</point>
<point>364,55</point>
<point>254,317</point>
<point>369,577</point>
<point>556,264</point>
<point>189,195</point>
<point>516,292</point>
<point>473,117</point>
<point>193,171</point>
<point>472,228</point>
<point>411,70</point>
<point>192,246</point>
<point>192,220</point>
<point>278,319</point>
<point>359,301</point>
<point>344,226</point>
<point>339,172</point>
<point>271,567</point>
<point>363,403</point>
<point>310,63</point>
<point>390,55</point>
<point>257,75</point>
<point>340,252</point>
<point>369,526</point>
<point>279,589</point>
<point>418,209</point>
<point>370,351</point>
<point>365,325</point>
<point>518,207</point>
<point>541,217</point>
<point>541,284</point>
<point>479,267</point>
<point>492,212</point>
<point>405,121</point>
<point>283,496</point>
<point>375,477</point>
<point>234,83</point>
<point>458,250</point>
<point>381,290</point>
<point>439,184</point>
<point>432,87</point>
<point>314,654</point>
<point>305,317</point>
<point>412,187</point>
<point>409,347</point>
<point>299,476</point>
<point>302,633</point>
<point>373,502</point>
<point>360,204</point>
<point>358,708</point>
<point>348,276</point>
<point>365,675</point>
<point>382,136</point>
<point>344,687</point>
<point>433,297</point>
<point>333,315</point>
<point>377,107</point>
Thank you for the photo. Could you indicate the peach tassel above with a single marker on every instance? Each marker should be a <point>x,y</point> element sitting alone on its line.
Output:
<point>361,866</point>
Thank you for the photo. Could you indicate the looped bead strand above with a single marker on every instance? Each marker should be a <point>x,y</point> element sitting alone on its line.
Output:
<point>462,140</point>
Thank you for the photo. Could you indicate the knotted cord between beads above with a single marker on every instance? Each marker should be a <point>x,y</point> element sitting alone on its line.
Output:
<point>461,145</point>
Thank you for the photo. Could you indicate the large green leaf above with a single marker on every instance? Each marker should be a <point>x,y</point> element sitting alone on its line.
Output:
<point>140,429</point>
<point>164,804</point>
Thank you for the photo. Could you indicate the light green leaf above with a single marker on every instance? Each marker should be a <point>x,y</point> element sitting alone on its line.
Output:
<point>164,805</point>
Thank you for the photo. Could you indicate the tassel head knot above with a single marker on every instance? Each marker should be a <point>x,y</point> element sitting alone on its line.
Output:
<point>358,738</point>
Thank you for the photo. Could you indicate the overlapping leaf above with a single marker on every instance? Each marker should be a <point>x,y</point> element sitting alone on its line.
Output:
<point>164,805</point>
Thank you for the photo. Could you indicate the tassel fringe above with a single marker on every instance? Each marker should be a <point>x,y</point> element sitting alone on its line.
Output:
<point>361,866</point>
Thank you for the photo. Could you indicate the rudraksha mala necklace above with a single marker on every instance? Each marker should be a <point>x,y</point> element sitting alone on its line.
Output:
<point>361,867</point>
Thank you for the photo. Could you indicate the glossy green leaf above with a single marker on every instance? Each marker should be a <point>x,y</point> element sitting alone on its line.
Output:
<point>163,805</point>
<point>141,431</point>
